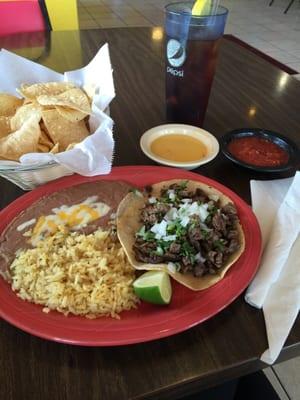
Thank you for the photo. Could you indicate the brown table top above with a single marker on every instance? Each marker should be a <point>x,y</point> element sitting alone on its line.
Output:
<point>247,92</point>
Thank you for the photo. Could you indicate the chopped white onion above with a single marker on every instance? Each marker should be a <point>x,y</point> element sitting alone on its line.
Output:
<point>203,213</point>
<point>184,221</point>
<point>193,208</point>
<point>171,267</point>
<point>204,226</point>
<point>159,251</point>
<point>160,229</point>
<point>169,238</point>
<point>186,200</point>
<point>172,214</point>
<point>198,257</point>
<point>171,194</point>
<point>152,200</point>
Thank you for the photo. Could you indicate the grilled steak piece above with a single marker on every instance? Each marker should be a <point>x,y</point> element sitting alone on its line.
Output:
<point>219,260</point>
<point>199,269</point>
<point>146,247</point>
<point>219,222</point>
<point>232,234</point>
<point>231,212</point>
<point>168,256</point>
<point>200,196</point>
<point>148,189</point>
<point>151,259</point>
<point>194,235</point>
<point>154,213</point>
<point>175,248</point>
<point>200,247</point>
<point>187,262</point>
<point>233,246</point>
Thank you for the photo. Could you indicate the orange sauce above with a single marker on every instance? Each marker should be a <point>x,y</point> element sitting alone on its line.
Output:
<point>179,148</point>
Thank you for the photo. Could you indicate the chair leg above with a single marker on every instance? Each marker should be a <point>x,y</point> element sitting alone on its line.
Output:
<point>289,6</point>
<point>271,2</point>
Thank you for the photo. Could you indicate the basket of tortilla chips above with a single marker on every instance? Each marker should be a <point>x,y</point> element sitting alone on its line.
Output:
<point>50,129</point>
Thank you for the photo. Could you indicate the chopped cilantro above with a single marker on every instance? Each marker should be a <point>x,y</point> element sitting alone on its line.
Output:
<point>204,233</point>
<point>136,192</point>
<point>183,185</point>
<point>141,232</point>
<point>208,219</point>
<point>165,199</point>
<point>163,244</point>
<point>186,249</point>
<point>159,251</point>
<point>146,235</point>
<point>178,266</point>
<point>213,210</point>
<point>180,230</point>
<point>192,258</point>
<point>218,244</point>
<point>171,228</point>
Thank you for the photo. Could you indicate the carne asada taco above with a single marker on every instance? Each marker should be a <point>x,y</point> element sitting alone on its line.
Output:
<point>187,228</point>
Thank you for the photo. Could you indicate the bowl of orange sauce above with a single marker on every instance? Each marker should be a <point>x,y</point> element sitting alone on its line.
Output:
<point>179,145</point>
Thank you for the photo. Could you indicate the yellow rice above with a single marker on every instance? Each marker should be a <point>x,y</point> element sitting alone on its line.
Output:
<point>75,273</point>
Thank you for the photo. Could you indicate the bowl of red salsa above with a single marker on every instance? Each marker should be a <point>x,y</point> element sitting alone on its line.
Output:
<point>260,150</point>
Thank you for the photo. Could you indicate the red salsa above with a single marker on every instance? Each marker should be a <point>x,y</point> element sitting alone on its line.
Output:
<point>257,151</point>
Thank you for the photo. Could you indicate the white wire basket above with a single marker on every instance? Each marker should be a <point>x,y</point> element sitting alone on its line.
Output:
<point>28,177</point>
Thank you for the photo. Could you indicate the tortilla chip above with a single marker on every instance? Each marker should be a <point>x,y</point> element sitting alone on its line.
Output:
<point>50,88</point>
<point>25,140</point>
<point>70,114</point>
<point>44,137</point>
<point>73,98</point>
<point>128,223</point>
<point>24,113</point>
<point>71,146</point>
<point>90,89</point>
<point>5,126</point>
<point>55,149</point>
<point>42,148</point>
<point>44,128</point>
<point>45,145</point>
<point>9,104</point>
<point>27,101</point>
<point>63,131</point>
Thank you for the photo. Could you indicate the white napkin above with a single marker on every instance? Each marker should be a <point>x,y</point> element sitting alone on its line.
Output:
<point>276,286</point>
<point>93,156</point>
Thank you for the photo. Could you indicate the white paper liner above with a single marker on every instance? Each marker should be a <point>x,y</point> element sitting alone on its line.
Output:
<point>93,156</point>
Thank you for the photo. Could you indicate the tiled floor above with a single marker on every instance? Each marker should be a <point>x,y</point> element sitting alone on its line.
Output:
<point>266,28</point>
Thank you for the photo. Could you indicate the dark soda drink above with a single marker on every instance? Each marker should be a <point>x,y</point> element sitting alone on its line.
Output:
<point>187,95</point>
<point>191,56</point>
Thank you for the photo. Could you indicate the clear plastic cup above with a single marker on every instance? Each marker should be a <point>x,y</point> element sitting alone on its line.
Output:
<point>191,55</point>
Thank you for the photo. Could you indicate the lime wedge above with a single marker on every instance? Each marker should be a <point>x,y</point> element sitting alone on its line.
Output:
<point>154,287</point>
<point>198,7</point>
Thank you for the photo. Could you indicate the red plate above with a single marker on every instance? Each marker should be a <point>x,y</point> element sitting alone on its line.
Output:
<point>148,322</point>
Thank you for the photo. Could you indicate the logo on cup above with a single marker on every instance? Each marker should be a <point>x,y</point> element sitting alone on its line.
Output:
<point>175,53</point>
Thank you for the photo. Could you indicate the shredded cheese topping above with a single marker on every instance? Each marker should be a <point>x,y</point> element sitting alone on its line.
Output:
<point>73,217</point>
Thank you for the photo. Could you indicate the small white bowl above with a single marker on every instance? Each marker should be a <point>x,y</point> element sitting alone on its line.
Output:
<point>210,142</point>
